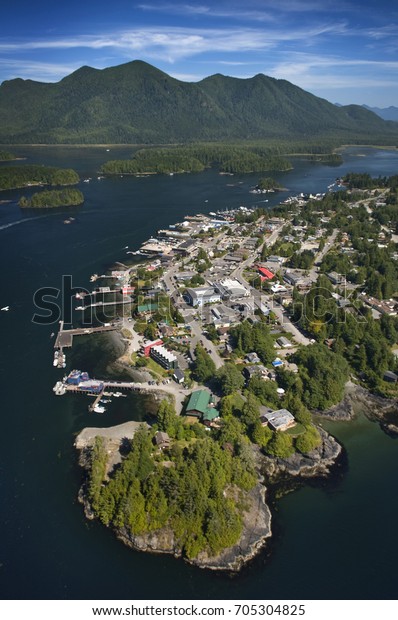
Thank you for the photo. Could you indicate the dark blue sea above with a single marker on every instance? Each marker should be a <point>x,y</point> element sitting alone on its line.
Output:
<point>333,540</point>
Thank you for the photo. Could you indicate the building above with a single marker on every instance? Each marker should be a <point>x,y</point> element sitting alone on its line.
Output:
<point>231,289</point>
<point>198,297</point>
<point>279,420</point>
<point>293,278</point>
<point>390,376</point>
<point>148,344</point>
<point>284,342</point>
<point>252,358</point>
<point>163,357</point>
<point>265,273</point>
<point>336,278</point>
<point>162,440</point>
<point>255,371</point>
<point>200,406</point>
<point>147,308</point>
<point>178,376</point>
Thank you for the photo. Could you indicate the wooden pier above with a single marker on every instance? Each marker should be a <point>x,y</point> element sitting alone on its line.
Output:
<point>65,336</point>
<point>101,304</point>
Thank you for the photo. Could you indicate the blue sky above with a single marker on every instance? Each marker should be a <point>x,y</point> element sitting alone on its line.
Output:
<point>343,50</point>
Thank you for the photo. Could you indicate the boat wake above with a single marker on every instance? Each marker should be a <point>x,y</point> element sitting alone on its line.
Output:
<point>26,219</point>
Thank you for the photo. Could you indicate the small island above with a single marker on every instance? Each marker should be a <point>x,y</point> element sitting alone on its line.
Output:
<point>267,185</point>
<point>14,177</point>
<point>6,156</point>
<point>53,198</point>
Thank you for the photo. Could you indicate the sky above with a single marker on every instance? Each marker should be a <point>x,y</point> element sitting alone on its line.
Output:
<point>345,51</point>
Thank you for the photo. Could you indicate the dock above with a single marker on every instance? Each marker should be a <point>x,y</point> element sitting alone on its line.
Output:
<point>64,337</point>
<point>101,304</point>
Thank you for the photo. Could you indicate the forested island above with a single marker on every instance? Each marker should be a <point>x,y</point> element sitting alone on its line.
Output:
<point>53,198</point>
<point>195,158</point>
<point>6,156</point>
<point>14,177</point>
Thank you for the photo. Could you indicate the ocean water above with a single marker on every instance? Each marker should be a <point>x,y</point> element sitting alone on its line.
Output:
<point>335,539</point>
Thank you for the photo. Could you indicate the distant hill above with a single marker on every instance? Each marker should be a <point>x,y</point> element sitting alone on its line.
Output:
<point>137,103</point>
<point>388,114</point>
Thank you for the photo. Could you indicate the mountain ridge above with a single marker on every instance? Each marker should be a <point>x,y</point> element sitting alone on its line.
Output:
<point>137,103</point>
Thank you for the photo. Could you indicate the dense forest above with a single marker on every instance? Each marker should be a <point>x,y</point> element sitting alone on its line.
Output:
<point>232,159</point>
<point>199,495</point>
<point>53,198</point>
<point>13,177</point>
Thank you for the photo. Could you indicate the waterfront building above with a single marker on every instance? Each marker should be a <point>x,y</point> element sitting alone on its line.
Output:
<point>279,420</point>
<point>163,357</point>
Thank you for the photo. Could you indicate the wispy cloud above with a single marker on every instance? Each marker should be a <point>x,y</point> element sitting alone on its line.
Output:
<point>41,71</point>
<point>178,42</point>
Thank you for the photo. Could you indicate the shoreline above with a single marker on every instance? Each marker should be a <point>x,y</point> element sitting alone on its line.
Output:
<point>275,477</point>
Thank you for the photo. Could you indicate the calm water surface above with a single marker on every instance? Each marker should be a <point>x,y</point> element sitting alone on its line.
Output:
<point>336,540</point>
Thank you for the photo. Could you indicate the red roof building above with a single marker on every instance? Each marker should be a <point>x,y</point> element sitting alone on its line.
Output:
<point>147,346</point>
<point>266,273</point>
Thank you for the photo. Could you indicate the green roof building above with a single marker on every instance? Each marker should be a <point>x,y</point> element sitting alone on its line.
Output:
<point>199,406</point>
<point>142,309</point>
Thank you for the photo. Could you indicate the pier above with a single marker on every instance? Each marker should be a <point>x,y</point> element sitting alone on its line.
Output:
<point>101,304</point>
<point>65,336</point>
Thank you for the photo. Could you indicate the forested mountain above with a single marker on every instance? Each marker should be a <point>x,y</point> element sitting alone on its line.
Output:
<point>137,103</point>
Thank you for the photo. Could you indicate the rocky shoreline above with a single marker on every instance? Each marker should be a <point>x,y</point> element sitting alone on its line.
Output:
<point>359,400</point>
<point>256,517</point>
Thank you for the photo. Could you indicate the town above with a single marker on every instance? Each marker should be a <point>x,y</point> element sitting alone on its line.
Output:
<point>226,305</point>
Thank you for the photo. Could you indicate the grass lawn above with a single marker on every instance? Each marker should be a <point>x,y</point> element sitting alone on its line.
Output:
<point>297,430</point>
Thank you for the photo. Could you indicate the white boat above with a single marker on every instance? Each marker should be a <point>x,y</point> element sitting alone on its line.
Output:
<point>99,409</point>
<point>5,308</point>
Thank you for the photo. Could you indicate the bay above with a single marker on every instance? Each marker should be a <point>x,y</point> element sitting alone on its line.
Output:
<point>333,540</point>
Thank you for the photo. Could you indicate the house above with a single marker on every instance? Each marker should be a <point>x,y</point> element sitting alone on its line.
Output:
<point>255,371</point>
<point>336,278</point>
<point>279,420</point>
<point>252,358</point>
<point>284,342</point>
<point>200,406</point>
<point>178,376</point>
<point>390,376</point>
<point>162,440</point>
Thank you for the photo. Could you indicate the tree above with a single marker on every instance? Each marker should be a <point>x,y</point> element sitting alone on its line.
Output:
<point>204,368</point>
<point>251,410</point>
<point>230,378</point>
<point>309,440</point>
<point>166,417</point>
<point>280,445</point>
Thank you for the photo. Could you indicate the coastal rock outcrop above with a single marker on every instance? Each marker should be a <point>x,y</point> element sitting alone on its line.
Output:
<point>256,515</point>
<point>359,400</point>
<point>317,463</point>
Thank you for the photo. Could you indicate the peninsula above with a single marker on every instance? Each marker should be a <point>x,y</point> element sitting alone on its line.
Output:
<point>246,318</point>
